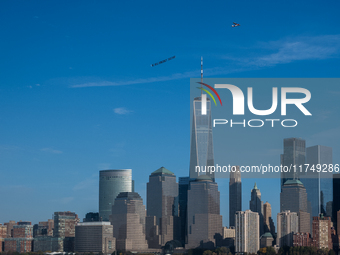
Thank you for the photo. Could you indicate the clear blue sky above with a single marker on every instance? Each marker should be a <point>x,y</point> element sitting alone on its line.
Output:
<point>78,94</point>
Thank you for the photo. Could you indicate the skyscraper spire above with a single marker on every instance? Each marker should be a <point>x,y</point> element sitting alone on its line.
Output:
<point>201,75</point>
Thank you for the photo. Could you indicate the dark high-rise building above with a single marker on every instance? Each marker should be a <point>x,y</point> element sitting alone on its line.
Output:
<point>235,195</point>
<point>183,187</point>
<point>294,155</point>
<point>95,237</point>
<point>91,216</point>
<point>162,218</point>
<point>111,183</point>
<point>256,205</point>
<point>319,186</point>
<point>128,220</point>
<point>294,198</point>
<point>204,219</point>
<point>336,200</point>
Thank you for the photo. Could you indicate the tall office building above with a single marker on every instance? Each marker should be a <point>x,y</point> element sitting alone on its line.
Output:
<point>322,232</point>
<point>287,225</point>
<point>337,226</point>
<point>247,232</point>
<point>256,205</point>
<point>235,195</point>
<point>268,220</point>
<point>162,218</point>
<point>128,220</point>
<point>204,219</point>
<point>294,198</point>
<point>111,183</point>
<point>183,187</point>
<point>294,154</point>
<point>95,237</point>
<point>319,186</point>
<point>336,200</point>
<point>201,150</point>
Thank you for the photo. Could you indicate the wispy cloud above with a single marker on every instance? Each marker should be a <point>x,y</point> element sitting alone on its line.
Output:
<point>277,52</point>
<point>90,183</point>
<point>122,111</point>
<point>303,48</point>
<point>66,200</point>
<point>119,149</point>
<point>104,166</point>
<point>135,81</point>
<point>50,150</point>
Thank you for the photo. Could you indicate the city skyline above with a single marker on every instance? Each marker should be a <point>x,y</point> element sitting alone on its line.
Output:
<point>78,94</point>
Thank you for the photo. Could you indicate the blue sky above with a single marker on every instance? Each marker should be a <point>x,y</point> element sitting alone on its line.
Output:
<point>78,94</point>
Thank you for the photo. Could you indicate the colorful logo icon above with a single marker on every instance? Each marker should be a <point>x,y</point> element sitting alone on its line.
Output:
<point>208,92</point>
<point>204,97</point>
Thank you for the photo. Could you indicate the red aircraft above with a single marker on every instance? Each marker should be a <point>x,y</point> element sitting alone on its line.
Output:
<point>235,24</point>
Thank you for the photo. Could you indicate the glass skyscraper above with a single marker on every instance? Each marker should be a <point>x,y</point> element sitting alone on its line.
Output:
<point>319,186</point>
<point>294,154</point>
<point>183,187</point>
<point>235,195</point>
<point>111,183</point>
<point>202,153</point>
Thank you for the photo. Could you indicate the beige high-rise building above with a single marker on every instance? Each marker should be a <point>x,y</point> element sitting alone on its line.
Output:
<point>287,225</point>
<point>322,232</point>
<point>228,236</point>
<point>204,219</point>
<point>128,220</point>
<point>247,232</point>
<point>268,221</point>
<point>256,205</point>
<point>304,222</point>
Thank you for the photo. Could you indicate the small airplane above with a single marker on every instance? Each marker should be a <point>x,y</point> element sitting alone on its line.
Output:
<point>235,24</point>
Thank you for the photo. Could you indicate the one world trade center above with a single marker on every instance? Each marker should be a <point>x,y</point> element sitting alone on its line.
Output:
<point>201,150</point>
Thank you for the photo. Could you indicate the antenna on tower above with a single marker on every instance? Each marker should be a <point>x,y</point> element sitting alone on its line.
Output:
<point>201,75</point>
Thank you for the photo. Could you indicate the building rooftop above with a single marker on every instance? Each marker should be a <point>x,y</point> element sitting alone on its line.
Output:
<point>203,178</point>
<point>162,170</point>
<point>129,196</point>
<point>292,182</point>
<point>267,234</point>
